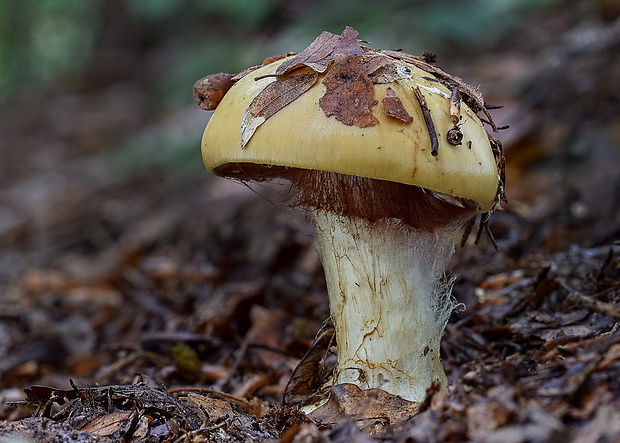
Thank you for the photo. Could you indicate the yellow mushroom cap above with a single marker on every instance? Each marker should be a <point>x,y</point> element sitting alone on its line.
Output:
<point>300,135</point>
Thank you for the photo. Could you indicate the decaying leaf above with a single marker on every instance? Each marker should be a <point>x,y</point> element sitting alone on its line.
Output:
<point>209,90</point>
<point>393,107</point>
<point>215,408</point>
<point>349,94</point>
<point>106,424</point>
<point>274,97</point>
<point>306,378</point>
<point>320,53</point>
<point>347,400</point>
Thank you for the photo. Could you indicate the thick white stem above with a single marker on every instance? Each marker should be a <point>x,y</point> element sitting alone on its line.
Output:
<point>389,301</point>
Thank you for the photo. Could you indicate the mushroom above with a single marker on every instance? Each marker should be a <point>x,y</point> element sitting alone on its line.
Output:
<point>388,157</point>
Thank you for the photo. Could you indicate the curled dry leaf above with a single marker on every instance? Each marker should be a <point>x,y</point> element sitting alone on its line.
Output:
<point>393,107</point>
<point>347,400</point>
<point>274,97</point>
<point>108,424</point>
<point>213,407</point>
<point>320,53</point>
<point>349,94</point>
<point>209,90</point>
<point>308,375</point>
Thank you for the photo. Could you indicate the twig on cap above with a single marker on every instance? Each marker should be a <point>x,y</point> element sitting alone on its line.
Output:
<point>432,133</point>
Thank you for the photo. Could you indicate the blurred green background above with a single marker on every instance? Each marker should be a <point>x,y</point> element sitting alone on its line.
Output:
<point>63,43</point>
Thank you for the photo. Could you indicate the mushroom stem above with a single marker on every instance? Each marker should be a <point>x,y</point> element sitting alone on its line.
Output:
<point>390,301</point>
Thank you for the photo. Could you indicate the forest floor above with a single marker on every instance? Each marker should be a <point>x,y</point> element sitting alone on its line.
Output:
<point>175,308</point>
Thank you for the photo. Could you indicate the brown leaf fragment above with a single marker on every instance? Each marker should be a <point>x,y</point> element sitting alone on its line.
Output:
<point>373,63</point>
<point>274,97</point>
<point>209,90</point>
<point>245,72</point>
<point>349,401</point>
<point>106,424</point>
<point>320,53</point>
<point>215,408</point>
<point>275,58</point>
<point>349,94</point>
<point>393,107</point>
<point>306,378</point>
<point>426,113</point>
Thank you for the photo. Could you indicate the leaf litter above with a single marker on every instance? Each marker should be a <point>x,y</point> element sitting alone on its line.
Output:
<point>535,356</point>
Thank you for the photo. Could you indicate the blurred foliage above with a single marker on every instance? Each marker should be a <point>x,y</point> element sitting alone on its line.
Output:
<point>159,48</point>
<point>42,40</point>
<point>51,43</point>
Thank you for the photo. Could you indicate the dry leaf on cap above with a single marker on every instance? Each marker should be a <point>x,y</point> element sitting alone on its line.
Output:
<point>321,51</point>
<point>274,97</point>
<point>349,94</point>
<point>393,107</point>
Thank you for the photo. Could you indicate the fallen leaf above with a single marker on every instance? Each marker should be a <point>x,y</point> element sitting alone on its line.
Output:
<point>393,107</point>
<point>301,388</point>
<point>349,401</point>
<point>320,53</point>
<point>106,424</point>
<point>349,94</point>
<point>215,408</point>
<point>274,97</point>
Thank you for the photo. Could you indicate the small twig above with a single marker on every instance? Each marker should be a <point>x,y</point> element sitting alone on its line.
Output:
<point>242,402</point>
<point>432,133</point>
<point>455,106</point>
<point>590,302</point>
<point>467,230</point>
<point>484,227</point>
<point>241,354</point>
<point>151,357</point>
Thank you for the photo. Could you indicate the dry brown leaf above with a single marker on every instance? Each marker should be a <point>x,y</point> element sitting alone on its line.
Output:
<point>306,378</point>
<point>393,107</point>
<point>274,97</point>
<point>106,424</point>
<point>214,408</point>
<point>373,63</point>
<point>301,433</point>
<point>349,401</point>
<point>320,53</point>
<point>349,94</point>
